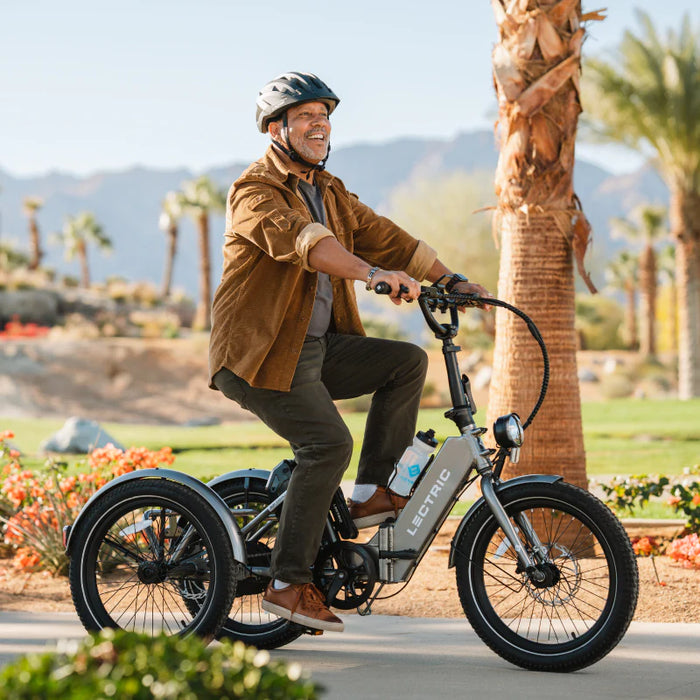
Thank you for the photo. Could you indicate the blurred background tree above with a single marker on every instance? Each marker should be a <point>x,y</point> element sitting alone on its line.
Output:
<point>31,206</point>
<point>77,234</point>
<point>646,95</point>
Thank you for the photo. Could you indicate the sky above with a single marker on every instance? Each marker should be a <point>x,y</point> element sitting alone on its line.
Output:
<point>88,86</point>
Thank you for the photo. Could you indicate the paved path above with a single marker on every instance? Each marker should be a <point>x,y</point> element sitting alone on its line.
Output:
<point>398,657</point>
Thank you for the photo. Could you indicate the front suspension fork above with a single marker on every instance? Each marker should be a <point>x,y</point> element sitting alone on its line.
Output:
<point>527,563</point>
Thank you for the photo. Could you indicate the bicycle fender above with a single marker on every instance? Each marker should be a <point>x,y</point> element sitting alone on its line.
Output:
<point>501,488</point>
<point>213,498</point>
<point>239,474</point>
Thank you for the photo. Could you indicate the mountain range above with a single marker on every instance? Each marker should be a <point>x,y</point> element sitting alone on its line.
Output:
<point>127,203</point>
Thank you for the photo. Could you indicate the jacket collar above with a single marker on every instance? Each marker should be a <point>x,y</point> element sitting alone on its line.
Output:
<point>272,169</point>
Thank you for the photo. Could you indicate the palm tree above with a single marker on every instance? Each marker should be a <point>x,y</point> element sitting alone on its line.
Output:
<point>199,197</point>
<point>31,206</point>
<point>171,211</point>
<point>648,98</point>
<point>78,232</point>
<point>622,274</point>
<point>647,224</point>
<point>667,273</point>
<point>536,67</point>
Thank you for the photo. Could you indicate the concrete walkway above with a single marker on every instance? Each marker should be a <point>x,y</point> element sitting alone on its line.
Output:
<point>399,657</point>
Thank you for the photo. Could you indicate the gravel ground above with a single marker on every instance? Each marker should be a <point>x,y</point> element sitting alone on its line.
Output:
<point>432,592</point>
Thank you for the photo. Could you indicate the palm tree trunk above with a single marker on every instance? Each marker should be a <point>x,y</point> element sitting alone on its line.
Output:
<point>84,267</point>
<point>202,319</point>
<point>631,338</point>
<point>536,68</point>
<point>36,253</point>
<point>647,302</point>
<point>685,228</point>
<point>169,261</point>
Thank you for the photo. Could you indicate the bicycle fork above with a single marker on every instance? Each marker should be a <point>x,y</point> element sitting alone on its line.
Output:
<point>527,563</point>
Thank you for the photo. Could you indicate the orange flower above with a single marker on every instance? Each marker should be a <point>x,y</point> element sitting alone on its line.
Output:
<point>696,499</point>
<point>6,435</point>
<point>674,500</point>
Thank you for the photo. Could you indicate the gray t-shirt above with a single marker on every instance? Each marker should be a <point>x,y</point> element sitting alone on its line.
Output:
<point>323,303</point>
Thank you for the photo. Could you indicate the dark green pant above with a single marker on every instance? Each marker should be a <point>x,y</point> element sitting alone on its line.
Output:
<point>333,367</point>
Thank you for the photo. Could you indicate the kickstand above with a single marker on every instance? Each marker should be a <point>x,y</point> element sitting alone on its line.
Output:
<point>366,609</point>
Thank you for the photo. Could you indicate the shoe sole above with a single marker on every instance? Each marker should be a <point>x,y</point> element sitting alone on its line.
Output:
<point>374,519</point>
<point>312,622</point>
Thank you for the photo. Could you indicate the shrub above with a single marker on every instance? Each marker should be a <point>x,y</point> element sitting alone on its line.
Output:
<point>118,664</point>
<point>686,551</point>
<point>43,503</point>
<point>624,494</point>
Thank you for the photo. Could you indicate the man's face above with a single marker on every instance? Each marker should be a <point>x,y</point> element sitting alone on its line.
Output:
<point>308,130</point>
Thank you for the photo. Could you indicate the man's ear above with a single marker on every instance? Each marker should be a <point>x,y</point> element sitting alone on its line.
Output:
<point>274,128</point>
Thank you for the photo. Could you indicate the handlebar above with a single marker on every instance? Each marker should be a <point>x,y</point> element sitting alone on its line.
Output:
<point>436,297</point>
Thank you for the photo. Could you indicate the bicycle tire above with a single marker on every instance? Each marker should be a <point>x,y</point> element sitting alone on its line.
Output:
<point>119,561</point>
<point>580,614</point>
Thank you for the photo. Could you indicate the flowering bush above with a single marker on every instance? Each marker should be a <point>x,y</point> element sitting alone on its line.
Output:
<point>645,546</point>
<point>624,494</point>
<point>16,329</point>
<point>43,503</point>
<point>686,551</point>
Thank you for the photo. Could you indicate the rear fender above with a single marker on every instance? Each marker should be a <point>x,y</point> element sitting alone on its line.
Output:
<point>501,488</point>
<point>213,498</point>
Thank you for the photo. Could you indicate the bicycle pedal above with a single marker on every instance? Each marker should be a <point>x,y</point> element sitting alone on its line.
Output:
<point>313,632</point>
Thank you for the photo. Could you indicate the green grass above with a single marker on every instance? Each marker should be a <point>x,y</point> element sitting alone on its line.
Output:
<point>624,436</point>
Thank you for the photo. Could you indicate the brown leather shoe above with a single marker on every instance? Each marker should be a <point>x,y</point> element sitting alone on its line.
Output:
<point>381,506</point>
<point>301,603</point>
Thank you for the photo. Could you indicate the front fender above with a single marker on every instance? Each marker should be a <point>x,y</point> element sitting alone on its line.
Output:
<point>500,488</point>
<point>213,498</point>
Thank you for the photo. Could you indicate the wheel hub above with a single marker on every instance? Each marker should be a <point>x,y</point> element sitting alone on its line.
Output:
<point>151,572</point>
<point>545,576</point>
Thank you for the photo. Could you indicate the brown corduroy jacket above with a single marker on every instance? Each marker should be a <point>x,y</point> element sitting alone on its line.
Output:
<point>263,304</point>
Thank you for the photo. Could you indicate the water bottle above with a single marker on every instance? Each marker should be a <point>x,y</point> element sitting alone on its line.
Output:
<point>412,462</point>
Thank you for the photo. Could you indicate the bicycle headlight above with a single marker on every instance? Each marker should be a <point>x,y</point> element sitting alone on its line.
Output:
<point>508,430</point>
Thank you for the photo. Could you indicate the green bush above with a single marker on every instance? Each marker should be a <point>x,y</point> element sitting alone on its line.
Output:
<point>598,322</point>
<point>118,664</point>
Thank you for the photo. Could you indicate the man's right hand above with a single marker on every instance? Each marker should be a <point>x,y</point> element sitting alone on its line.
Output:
<point>396,278</point>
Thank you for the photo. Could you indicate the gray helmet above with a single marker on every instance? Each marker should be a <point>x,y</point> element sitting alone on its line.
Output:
<point>290,89</point>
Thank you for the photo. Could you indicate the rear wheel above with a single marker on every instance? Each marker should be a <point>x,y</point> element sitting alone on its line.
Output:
<point>576,607</point>
<point>144,552</point>
<point>247,621</point>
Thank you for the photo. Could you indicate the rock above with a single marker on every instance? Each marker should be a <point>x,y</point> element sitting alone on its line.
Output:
<point>483,377</point>
<point>40,306</point>
<point>202,422</point>
<point>610,365</point>
<point>78,436</point>
<point>587,375</point>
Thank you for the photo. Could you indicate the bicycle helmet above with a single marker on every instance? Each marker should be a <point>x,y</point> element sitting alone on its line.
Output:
<point>290,89</point>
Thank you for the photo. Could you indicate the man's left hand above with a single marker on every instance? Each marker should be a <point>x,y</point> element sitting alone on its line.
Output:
<point>473,288</point>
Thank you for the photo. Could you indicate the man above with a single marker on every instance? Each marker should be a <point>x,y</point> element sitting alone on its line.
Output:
<point>287,339</point>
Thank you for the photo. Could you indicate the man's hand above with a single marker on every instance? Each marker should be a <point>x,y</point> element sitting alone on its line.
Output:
<point>395,279</point>
<point>473,288</point>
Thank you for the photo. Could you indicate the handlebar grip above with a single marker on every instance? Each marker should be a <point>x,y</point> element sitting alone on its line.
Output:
<point>385,288</point>
<point>382,288</point>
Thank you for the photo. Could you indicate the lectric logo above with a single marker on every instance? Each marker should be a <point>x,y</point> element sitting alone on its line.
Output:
<point>413,470</point>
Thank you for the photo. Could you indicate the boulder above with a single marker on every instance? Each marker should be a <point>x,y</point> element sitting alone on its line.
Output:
<point>78,436</point>
<point>40,306</point>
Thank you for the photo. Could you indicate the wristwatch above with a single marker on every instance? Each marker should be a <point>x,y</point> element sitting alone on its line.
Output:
<point>454,279</point>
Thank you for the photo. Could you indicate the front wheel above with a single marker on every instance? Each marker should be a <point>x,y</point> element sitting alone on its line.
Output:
<point>576,607</point>
<point>147,550</point>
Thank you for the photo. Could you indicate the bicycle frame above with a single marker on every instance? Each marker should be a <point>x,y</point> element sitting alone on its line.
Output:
<point>399,546</point>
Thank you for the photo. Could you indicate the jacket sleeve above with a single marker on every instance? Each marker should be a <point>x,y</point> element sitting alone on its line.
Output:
<point>260,213</point>
<point>379,241</point>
